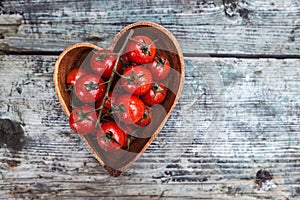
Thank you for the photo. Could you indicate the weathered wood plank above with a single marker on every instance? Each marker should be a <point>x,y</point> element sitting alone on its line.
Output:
<point>235,117</point>
<point>248,27</point>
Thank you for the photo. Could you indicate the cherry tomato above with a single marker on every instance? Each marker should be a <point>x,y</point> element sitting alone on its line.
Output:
<point>103,61</point>
<point>75,74</point>
<point>90,88</point>
<point>155,95</point>
<point>141,49</point>
<point>160,67</point>
<point>129,109</point>
<point>83,119</point>
<point>110,136</point>
<point>146,117</point>
<point>136,80</point>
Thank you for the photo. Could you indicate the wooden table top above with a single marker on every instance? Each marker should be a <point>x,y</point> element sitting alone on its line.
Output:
<point>234,134</point>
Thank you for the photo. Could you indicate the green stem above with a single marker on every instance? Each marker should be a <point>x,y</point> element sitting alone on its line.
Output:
<point>112,76</point>
<point>122,76</point>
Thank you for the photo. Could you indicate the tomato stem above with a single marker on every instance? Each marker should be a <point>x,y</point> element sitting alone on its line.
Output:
<point>122,76</point>
<point>132,79</point>
<point>94,86</point>
<point>112,75</point>
<point>70,88</point>
<point>100,56</point>
<point>139,42</point>
<point>160,61</point>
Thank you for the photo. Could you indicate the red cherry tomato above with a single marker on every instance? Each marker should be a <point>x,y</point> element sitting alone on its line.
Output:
<point>103,61</point>
<point>155,95</point>
<point>110,137</point>
<point>136,80</point>
<point>160,68</point>
<point>141,50</point>
<point>129,109</point>
<point>90,88</point>
<point>83,119</point>
<point>146,117</point>
<point>75,74</point>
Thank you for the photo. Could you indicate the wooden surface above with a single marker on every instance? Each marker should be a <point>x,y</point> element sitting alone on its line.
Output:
<point>235,133</point>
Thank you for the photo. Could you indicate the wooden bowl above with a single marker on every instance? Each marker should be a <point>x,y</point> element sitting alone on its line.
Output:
<point>117,162</point>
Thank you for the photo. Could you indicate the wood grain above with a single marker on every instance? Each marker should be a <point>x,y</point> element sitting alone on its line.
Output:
<point>237,116</point>
<point>255,27</point>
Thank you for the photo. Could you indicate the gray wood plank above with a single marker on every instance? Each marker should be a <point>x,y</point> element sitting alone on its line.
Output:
<point>235,117</point>
<point>201,27</point>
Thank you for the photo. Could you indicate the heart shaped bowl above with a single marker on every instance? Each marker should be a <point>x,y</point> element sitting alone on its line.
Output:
<point>76,55</point>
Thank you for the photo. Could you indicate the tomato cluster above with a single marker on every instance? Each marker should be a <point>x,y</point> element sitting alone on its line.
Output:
<point>116,92</point>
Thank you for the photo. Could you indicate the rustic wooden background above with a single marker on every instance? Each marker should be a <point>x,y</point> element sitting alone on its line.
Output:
<point>235,132</point>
